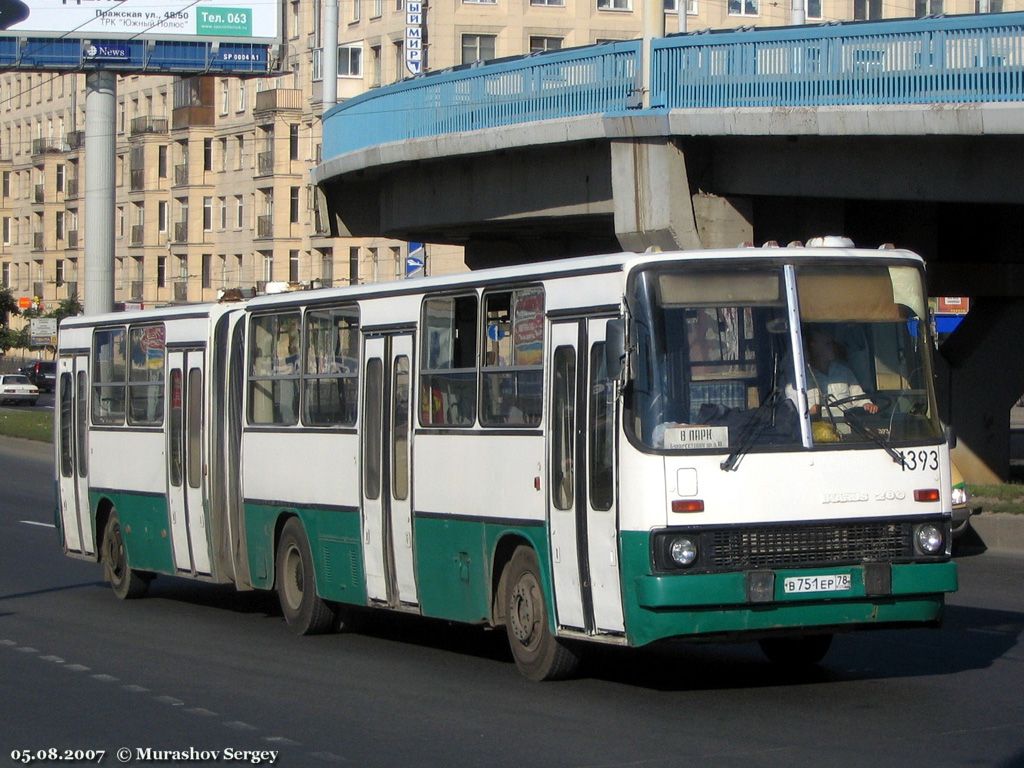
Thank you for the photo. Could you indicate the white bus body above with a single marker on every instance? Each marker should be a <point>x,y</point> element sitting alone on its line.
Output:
<point>618,449</point>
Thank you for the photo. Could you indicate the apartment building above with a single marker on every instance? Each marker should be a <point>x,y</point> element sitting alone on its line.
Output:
<point>212,173</point>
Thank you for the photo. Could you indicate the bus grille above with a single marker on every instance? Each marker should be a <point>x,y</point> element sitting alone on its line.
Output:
<point>804,545</point>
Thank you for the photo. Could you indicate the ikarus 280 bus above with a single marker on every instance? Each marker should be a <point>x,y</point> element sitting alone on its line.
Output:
<point>615,449</point>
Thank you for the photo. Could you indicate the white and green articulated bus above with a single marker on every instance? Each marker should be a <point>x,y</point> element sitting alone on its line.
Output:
<point>618,449</point>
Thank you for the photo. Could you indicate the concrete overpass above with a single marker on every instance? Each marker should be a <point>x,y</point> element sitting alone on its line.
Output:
<point>909,132</point>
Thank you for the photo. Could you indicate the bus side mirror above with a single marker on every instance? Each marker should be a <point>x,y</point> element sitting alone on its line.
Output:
<point>950,434</point>
<point>615,347</point>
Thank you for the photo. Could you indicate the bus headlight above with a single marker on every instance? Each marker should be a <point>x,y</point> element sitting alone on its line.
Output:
<point>930,539</point>
<point>683,551</point>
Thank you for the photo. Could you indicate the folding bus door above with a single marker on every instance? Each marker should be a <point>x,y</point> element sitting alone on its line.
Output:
<point>387,471</point>
<point>186,481</point>
<point>583,520</point>
<point>73,423</point>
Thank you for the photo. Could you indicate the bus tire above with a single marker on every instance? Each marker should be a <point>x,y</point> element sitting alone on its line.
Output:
<point>538,654</point>
<point>304,611</point>
<point>126,583</point>
<point>801,651</point>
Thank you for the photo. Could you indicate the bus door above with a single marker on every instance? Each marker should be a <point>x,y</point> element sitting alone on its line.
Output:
<point>583,519</point>
<point>73,416</point>
<point>387,471</point>
<point>185,466</point>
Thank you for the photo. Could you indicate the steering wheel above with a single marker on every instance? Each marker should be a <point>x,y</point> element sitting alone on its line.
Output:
<point>882,401</point>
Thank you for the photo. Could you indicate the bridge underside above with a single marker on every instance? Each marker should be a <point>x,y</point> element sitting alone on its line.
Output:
<point>958,200</point>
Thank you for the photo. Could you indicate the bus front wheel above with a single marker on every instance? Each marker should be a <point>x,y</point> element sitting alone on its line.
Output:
<point>538,654</point>
<point>126,583</point>
<point>304,612</point>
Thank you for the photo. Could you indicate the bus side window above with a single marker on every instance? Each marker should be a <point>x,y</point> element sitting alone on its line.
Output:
<point>514,357</point>
<point>448,370</point>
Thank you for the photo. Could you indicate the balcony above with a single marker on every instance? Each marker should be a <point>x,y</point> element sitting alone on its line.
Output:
<point>138,234</point>
<point>181,175</point>
<point>265,225</point>
<point>181,291</point>
<point>278,100</point>
<point>37,241</point>
<point>149,124</point>
<point>181,231</point>
<point>40,146</point>
<point>265,163</point>
<point>137,183</point>
<point>72,239</point>
<point>75,139</point>
<point>37,194</point>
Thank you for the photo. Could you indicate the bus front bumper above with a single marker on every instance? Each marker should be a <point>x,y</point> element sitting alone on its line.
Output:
<point>680,605</point>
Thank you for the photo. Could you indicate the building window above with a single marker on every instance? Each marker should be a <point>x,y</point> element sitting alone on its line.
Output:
<point>161,215</point>
<point>293,142</point>
<point>862,9</point>
<point>7,235</point>
<point>207,214</point>
<point>59,222</point>
<point>293,266</point>
<point>243,92</point>
<point>353,265</point>
<point>541,44</point>
<point>318,64</point>
<point>356,10</point>
<point>927,8</point>
<point>477,48</point>
<point>161,161</point>
<point>225,99</point>
<point>223,201</point>
<point>375,63</point>
<point>208,154</point>
<point>60,177</point>
<point>557,3</point>
<point>350,60</point>
<point>207,269</point>
<point>746,7</point>
<point>480,2</point>
<point>293,205</point>
<point>378,9</point>
<point>617,5</point>
<point>813,9</point>
<point>7,184</point>
<point>238,211</point>
<point>161,271</point>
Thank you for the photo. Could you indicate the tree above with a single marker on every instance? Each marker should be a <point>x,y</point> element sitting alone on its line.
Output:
<point>68,307</point>
<point>8,305</point>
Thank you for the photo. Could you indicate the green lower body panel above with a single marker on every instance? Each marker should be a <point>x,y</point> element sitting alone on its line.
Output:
<point>454,559</point>
<point>334,541</point>
<point>691,605</point>
<point>145,528</point>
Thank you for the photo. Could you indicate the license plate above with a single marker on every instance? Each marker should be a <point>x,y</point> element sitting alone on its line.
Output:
<point>835,582</point>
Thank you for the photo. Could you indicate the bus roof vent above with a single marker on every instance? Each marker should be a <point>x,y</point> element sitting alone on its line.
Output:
<point>830,241</point>
<point>794,244</point>
<point>770,244</point>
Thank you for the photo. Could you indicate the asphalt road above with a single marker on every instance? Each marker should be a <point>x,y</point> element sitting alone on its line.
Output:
<point>203,668</point>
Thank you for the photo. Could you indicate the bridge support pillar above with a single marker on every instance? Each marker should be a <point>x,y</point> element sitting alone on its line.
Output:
<point>653,205</point>
<point>979,382</point>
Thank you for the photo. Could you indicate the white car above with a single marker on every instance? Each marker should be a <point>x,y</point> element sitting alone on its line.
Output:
<point>961,503</point>
<point>16,388</point>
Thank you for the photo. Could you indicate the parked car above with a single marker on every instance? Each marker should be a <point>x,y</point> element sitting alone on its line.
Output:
<point>42,373</point>
<point>16,388</point>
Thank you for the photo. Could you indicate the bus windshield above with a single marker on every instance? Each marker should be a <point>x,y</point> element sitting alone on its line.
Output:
<point>716,356</point>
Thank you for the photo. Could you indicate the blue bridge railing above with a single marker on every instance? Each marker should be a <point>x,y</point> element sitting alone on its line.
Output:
<point>956,59</point>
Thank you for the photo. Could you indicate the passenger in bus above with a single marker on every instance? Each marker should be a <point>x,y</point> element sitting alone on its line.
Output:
<point>826,371</point>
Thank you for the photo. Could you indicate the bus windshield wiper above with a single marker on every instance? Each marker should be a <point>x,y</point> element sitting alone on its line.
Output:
<point>864,430</point>
<point>758,421</point>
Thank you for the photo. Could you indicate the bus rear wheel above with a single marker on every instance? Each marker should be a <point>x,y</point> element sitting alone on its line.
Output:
<point>304,611</point>
<point>538,654</point>
<point>126,583</point>
<point>803,651</point>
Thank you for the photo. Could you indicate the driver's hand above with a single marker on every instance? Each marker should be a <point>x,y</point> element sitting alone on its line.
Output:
<point>871,408</point>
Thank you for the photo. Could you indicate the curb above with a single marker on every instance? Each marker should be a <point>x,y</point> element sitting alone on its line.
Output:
<point>1000,533</point>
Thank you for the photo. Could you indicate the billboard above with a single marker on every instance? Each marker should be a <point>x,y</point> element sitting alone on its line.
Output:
<point>162,19</point>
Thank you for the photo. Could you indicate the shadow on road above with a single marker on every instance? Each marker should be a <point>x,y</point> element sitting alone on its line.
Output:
<point>971,638</point>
